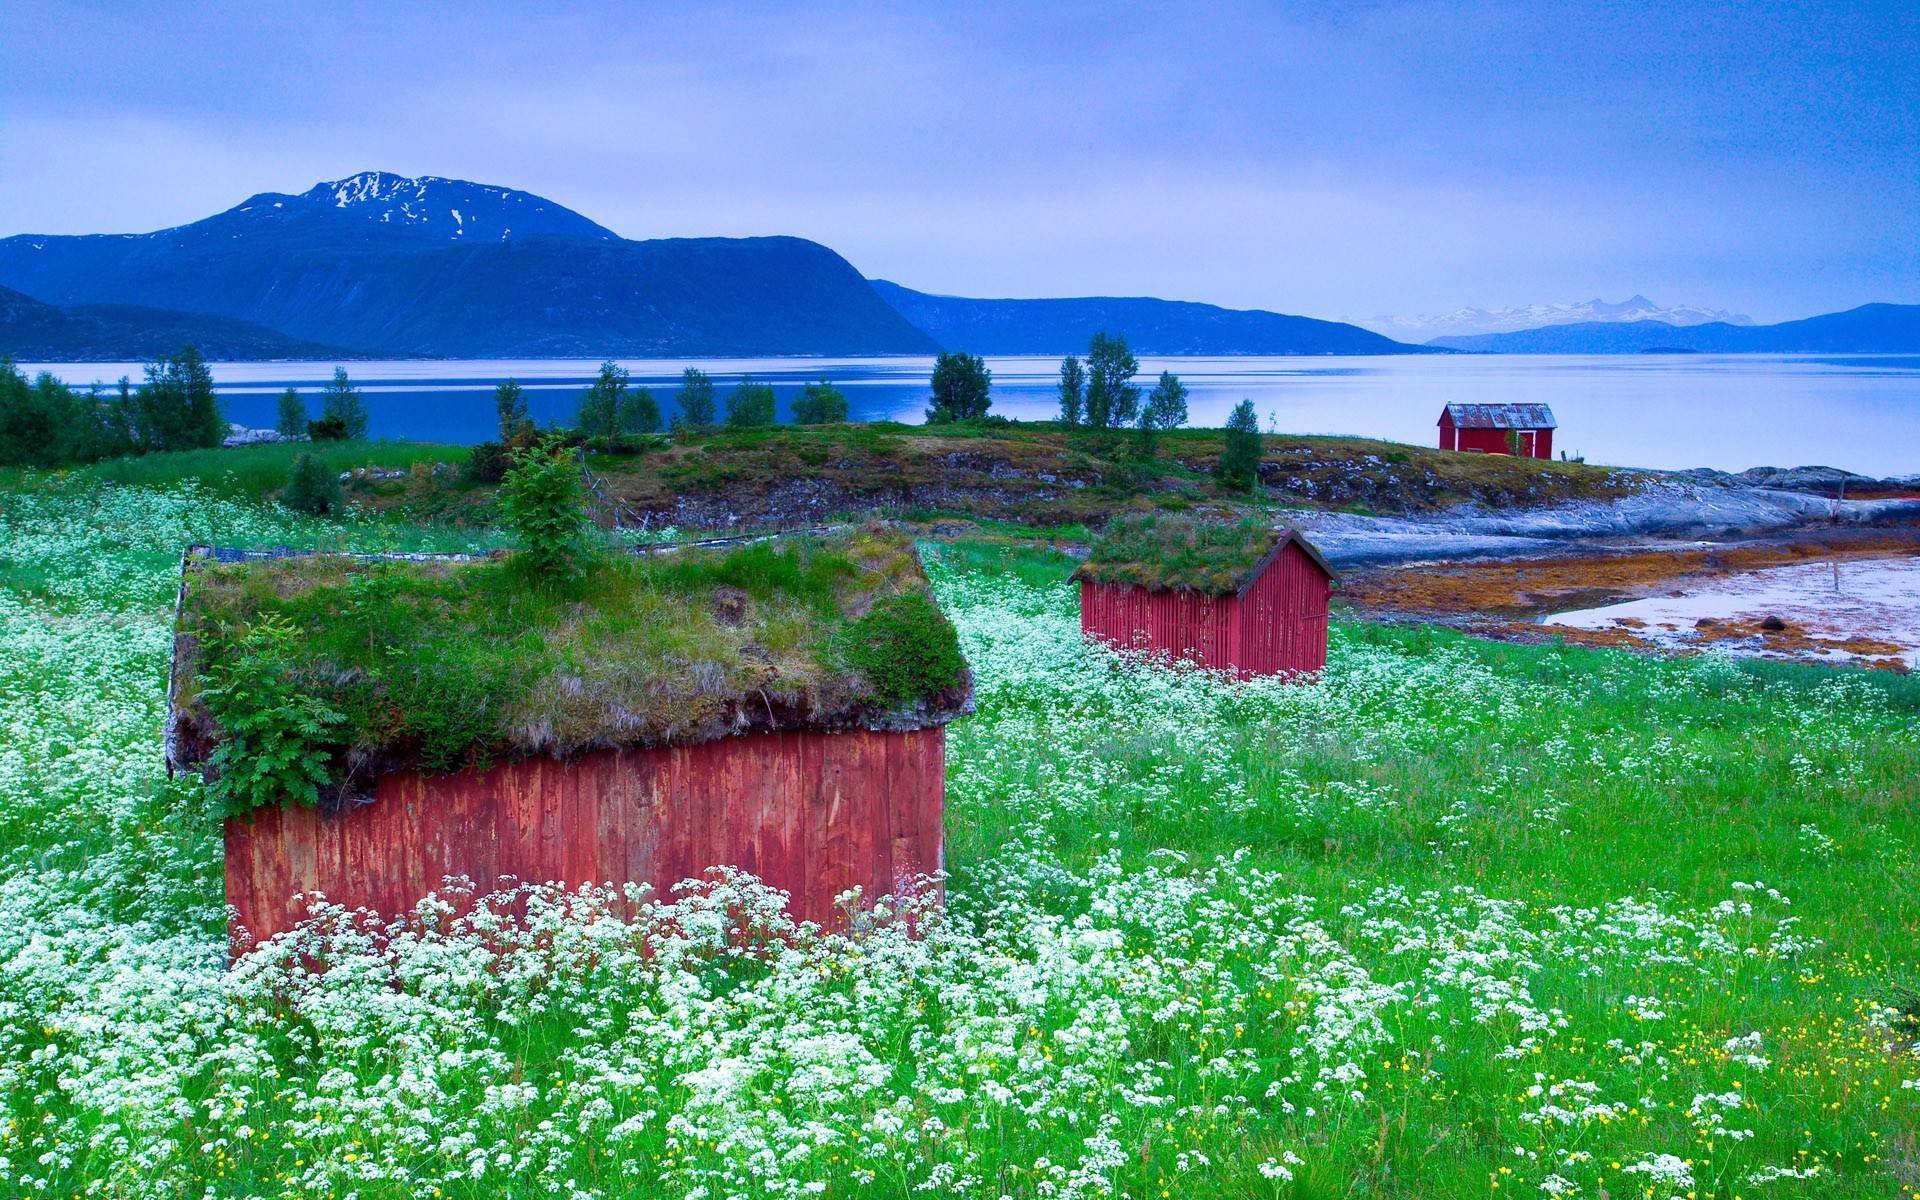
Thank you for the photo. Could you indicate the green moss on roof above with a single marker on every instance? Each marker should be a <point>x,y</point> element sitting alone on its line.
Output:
<point>442,664</point>
<point>1180,553</point>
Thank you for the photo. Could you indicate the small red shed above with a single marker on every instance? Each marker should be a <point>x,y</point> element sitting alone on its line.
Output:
<point>1494,428</point>
<point>742,706</point>
<point>1243,597</point>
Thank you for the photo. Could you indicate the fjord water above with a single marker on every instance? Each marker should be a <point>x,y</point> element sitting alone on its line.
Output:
<point>1861,413</point>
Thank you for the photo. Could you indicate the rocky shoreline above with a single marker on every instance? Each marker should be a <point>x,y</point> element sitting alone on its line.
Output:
<point>1673,508</point>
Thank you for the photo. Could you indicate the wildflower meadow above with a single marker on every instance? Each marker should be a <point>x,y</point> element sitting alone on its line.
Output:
<point>1456,919</point>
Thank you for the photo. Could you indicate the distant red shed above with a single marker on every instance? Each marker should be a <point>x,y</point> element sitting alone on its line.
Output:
<point>1492,428</point>
<point>1246,599</point>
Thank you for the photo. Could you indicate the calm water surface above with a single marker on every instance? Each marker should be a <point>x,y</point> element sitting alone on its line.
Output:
<point>1727,411</point>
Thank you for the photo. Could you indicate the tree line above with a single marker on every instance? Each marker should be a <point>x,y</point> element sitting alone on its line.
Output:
<point>47,423</point>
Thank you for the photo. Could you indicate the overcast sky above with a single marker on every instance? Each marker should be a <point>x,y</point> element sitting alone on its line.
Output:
<point>1334,160</point>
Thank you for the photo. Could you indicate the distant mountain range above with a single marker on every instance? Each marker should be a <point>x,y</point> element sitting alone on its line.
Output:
<point>34,332</point>
<point>1467,321</point>
<point>385,264</point>
<point>1869,329</point>
<point>1151,326</point>
<point>441,267</point>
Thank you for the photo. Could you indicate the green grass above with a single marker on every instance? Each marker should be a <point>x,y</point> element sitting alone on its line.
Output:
<point>1163,553</point>
<point>1460,919</point>
<point>259,472</point>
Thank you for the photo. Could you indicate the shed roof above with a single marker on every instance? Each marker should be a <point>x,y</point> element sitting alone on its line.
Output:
<point>444,661</point>
<point>1182,553</point>
<point>1500,416</point>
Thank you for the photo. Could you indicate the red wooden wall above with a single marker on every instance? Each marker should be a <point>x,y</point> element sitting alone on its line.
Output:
<point>1534,443</point>
<point>1278,624</point>
<point>811,813</point>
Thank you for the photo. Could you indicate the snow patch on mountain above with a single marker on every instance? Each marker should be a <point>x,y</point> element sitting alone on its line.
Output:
<point>1533,316</point>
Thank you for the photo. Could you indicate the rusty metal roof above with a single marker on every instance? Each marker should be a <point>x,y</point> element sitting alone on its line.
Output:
<point>1501,416</point>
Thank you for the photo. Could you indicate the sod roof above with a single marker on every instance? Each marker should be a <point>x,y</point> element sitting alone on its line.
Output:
<point>1186,553</point>
<point>441,663</point>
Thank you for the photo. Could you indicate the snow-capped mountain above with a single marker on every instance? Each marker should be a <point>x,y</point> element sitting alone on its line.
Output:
<point>1466,321</point>
<point>391,264</point>
<point>378,203</point>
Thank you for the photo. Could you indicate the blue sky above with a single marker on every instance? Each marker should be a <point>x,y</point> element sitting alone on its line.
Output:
<point>1330,159</point>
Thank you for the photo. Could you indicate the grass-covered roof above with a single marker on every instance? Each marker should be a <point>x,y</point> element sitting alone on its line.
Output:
<point>367,667</point>
<point>1182,552</point>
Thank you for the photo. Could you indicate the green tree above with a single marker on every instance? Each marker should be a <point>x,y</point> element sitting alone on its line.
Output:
<point>1166,408</point>
<point>291,421</point>
<point>312,487</point>
<point>1113,401</point>
<point>961,388</point>
<point>694,401</point>
<point>1239,466</point>
<point>510,405</point>
<point>639,412</point>
<point>1073,392</point>
<point>45,423</point>
<point>176,408</point>
<point>340,402</point>
<point>750,404</point>
<point>600,410</point>
<point>819,404</point>
<point>544,501</point>
<point>1513,442</point>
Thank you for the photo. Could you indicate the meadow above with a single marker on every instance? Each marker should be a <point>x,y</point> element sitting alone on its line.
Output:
<point>1458,919</point>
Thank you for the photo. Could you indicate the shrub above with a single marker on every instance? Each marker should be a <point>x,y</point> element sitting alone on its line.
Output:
<point>488,462</point>
<point>277,738</point>
<point>311,487</point>
<point>327,429</point>
<point>906,648</point>
<point>820,404</point>
<point>750,404</point>
<point>545,503</point>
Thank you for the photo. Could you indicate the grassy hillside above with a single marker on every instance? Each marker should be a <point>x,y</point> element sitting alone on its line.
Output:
<point>1461,919</point>
<point>1040,474</point>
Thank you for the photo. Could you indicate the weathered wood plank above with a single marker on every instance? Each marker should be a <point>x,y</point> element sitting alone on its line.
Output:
<point>812,814</point>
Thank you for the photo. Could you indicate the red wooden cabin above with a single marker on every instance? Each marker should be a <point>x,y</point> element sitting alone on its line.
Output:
<point>1492,428</point>
<point>1267,616</point>
<point>813,795</point>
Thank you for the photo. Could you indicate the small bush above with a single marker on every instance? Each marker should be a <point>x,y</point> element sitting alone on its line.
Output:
<point>906,648</point>
<point>545,502</point>
<point>327,429</point>
<point>312,487</point>
<point>820,404</point>
<point>750,404</point>
<point>488,462</point>
<point>278,739</point>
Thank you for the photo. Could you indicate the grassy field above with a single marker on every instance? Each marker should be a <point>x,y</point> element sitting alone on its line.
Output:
<point>1459,919</point>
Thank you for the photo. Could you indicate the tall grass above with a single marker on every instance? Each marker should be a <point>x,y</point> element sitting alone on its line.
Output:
<point>1455,920</point>
<point>257,472</point>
